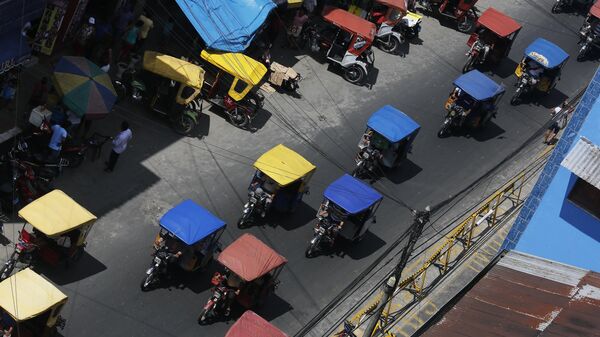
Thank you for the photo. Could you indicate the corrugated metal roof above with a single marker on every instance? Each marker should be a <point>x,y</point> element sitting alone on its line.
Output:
<point>584,161</point>
<point>524,296</point>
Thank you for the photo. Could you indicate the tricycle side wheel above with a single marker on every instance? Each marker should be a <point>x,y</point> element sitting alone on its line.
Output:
<point>516,99</point>
<point>244,222</point>
<point>238,118</point>
<point>354,74</point>
<point>184,125</point>
<point>445,129</point>
<point>147,282</point>
<point>390,46</point>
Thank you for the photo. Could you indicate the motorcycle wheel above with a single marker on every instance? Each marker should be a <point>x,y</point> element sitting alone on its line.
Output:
<point>357,172</point>
<point>184,125</point>
<point>238,118</point>
<point>310,251</point>
<point>445,129</point>
<point>466,25</point>
<point>354,74</point>
<point>204,316</point>
<point>244,221</point>
<point>8,267</point>
<point>583,51</point>
<point>391,46</point>
<point>469,65</point>
<point>557,7</point>
<point>516,99</point>
<point>147,282</point>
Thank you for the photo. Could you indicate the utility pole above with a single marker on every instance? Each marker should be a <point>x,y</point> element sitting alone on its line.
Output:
<point>421,218</point>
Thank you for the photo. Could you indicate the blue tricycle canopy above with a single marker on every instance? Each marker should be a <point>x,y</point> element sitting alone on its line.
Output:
<point>190,222</point>
<point>351,194</point>
<point>392,123</point>
<point>228,25</point>
<point>478,86</point>
<point>546,53</point>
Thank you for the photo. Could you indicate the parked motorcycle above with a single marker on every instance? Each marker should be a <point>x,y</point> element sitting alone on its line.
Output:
<point>158,269</point>
<point>256,203</point>
<point>216,306</point>
<point>325,233</point>
<point>23,253</point>
<point>367,163</point>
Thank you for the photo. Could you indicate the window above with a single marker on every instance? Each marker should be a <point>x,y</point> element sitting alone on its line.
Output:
<point>586,196</point>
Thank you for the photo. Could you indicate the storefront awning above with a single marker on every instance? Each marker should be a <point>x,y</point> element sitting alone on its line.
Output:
<point>584,161</point>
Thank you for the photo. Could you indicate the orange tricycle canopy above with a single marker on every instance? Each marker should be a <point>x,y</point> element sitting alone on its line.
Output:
<point>249,258</point>
<point>498,22</point>
<point>252,325</point>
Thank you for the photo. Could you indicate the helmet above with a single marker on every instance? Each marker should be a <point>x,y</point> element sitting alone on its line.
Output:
<point>91,20</point>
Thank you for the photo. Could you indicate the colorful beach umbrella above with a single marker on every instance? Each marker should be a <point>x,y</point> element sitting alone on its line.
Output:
<point>86,89</point>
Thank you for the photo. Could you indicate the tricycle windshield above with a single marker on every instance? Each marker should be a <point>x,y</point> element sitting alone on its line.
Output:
<point>546,53</point>
<point>26,295</point>
<point>350,22</point>
<point>351,194</point>
<point>249,258</point>
<point>174,69</point>
<point>284,166</point>
<point>478,86</point>
<point>56,213</point>
<point>392,124</point>
<point>190,222</point>
<point>499,23</point>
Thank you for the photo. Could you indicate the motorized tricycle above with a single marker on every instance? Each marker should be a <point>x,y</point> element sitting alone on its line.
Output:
<point>410,25</point>
<point>540,69</point>
<point>231,83</point>
<point>251,324</point>
<point>279,183</point>
<point>494,35</point>
<point>345,41</point>
<point>462,11</point>
<point>30,305</point>
<point>189,237</point>
<point>472,103</point>
<point>566,5</point>
<point>385,143</point>
<point>589,34</point>
<point>59,230</point>
<point>166,85</point>
<point>250,276</point>
<point>347,207</point>
<point>387,16</point>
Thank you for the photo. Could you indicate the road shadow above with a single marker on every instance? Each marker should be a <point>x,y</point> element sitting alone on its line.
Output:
<point>553,99</point>
<point>302,215</point>
<point>197,281</point>
<point>60,274</point>
<point>273,307</point>
<point>490,131</point>
<point>203,127</point>
<point>504,69</point>
<point>407,170</point>
<point>592,56</point>
<point>370,244</point>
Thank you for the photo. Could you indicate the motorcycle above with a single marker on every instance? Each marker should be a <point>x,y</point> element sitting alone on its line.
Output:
<point>562,5</point>
<point>454,118</point>
<point>524,85</point>
<point>75,153</point>
<point>587,40</point>
<point>28,184</point>
<point>325,233</point>
<point>256,202</point>
<point>217,303</point>
<point>23,252</point>
<point>158,269</point>
<point>476,55</point>
<point>367,163</point>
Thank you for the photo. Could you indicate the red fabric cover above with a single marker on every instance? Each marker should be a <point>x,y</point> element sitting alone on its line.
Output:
<point>252,325</point>
<point>350,22</point>
<point>249,258</point>
<point>595,10</point>
<point>498,22</point>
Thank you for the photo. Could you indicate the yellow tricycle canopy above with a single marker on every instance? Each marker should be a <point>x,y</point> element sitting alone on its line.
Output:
<point>26,295</point>
<point>239,65</point>
<point>173,68</point>
<point>283,165</point>
<point>56,213</point>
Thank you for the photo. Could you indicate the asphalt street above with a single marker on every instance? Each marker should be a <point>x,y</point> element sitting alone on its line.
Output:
<point>161,169</point>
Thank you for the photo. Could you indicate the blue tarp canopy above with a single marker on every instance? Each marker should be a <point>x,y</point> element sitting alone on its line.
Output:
<point>351,194</point>
<point>392,123</point>
<point>227,25</point>
<point>478,86</point>
<point>190,222</point>
<point>14,49</point>
<point>546,53</point>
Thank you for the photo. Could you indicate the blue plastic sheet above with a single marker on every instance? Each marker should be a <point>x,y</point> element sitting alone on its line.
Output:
<point>478,86</point>
<point>228,25</point>
<point>351,194</point>
<point>190,222</point>
<point>392,123</point>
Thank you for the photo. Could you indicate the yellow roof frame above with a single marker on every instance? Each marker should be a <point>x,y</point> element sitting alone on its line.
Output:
<point>173,68</point>
<point>283,165</point>
<point>238,65</point>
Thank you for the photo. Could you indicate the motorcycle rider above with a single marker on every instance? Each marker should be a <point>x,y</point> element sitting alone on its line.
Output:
<point>231,285</point>
<point>263,185</point>
<point>534,70</point>
<point>328,212</point>
<point>487,40</point>
<point>463,100</point>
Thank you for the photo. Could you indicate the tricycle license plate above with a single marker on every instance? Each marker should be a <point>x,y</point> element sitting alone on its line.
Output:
<point>156,260</point>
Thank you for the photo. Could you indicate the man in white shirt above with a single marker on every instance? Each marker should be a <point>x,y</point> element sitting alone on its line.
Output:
<point>119,145</point>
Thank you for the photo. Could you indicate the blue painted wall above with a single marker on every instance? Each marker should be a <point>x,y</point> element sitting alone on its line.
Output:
<point>550,226</point>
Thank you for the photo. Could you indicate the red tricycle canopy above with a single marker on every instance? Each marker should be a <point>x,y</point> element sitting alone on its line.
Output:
<point>252,325</point>
<point>249,258</point>
<point>398,4</point>
<point>350,22</point>
<point>498,22</point>
<point>595,10</point>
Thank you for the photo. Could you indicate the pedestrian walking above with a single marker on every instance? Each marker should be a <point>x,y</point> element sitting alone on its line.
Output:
<point>84,36</point>
<point>148,24</point>
<point>59,134</point>
<point>119,143</point>
<point>129,39</point>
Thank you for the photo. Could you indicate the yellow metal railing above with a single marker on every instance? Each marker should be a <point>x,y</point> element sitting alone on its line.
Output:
<point>453,246</point>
